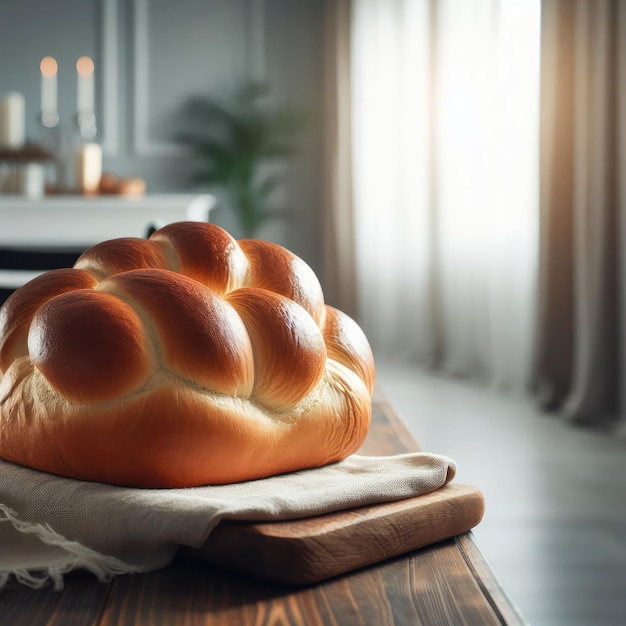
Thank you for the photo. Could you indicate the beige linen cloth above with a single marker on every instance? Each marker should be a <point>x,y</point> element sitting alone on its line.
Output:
<point>51,525</point>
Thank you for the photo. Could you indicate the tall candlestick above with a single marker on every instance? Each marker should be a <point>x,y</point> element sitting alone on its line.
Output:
<point>12,121</point>
<point>49,114</point>
<point>85,69</point>
<point>86,117</point>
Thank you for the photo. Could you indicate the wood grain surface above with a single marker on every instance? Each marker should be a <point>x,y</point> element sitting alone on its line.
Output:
<point>424,588</point>
<point>447,583</point>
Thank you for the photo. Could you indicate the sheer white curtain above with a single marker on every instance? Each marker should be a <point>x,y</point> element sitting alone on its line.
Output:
<point>445,165</point>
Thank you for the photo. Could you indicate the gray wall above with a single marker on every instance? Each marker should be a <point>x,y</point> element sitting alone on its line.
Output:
<point>151,55</point>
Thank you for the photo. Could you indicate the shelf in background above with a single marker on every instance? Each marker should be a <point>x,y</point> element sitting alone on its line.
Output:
<point>81,221</point>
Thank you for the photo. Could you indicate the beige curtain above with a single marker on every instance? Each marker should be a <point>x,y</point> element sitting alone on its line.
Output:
<point>580,349</point>
<point>339,271</point>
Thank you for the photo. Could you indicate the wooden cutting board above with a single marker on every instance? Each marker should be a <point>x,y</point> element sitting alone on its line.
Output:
<point>313,549</point>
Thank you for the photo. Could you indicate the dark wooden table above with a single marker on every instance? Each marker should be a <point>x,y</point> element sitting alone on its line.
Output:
<point>448,583</point>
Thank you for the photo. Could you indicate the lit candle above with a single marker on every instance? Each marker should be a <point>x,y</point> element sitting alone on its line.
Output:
<point>49,115</point>
<point>85,68</point>
<point>12,121</point>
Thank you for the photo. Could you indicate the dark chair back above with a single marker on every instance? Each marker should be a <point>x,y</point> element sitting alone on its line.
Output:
<point>13,261</point>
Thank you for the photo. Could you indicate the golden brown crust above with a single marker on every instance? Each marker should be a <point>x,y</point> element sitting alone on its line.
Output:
<point>209,362</point>
<point>206,253</point>
<point>121,255</point>
<point>347,344</point>
<point>17,312</point>
<point>173,436</point>
<point>182,312</point>
<point>289,350</point>
<point>276,269</point>
<point>90,346</point>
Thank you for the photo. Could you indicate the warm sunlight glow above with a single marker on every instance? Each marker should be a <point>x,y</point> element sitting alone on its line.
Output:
<point>446,190</point>
<point>84,66</point>
<point>487,122</point>
<point>48,66</point>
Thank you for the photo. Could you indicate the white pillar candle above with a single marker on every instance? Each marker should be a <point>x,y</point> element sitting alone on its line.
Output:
<point>89,168</point>
<point>49,114</point>
<point>85,69</point>
<point>12,121</point>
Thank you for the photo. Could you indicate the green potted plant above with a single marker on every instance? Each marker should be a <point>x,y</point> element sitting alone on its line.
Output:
<point>235,140</point>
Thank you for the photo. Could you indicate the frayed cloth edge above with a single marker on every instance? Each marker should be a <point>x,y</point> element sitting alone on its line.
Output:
<point>79,557</point>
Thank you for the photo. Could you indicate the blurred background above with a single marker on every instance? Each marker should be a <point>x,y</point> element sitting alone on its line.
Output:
<point>151,59</point>
<point>453,170</point>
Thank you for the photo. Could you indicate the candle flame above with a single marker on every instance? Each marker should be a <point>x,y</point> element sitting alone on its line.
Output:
<point>84,66</point>
<point>48,66</point>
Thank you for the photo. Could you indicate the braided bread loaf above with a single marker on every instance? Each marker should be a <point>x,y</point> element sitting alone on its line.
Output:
<point>186,359</point>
